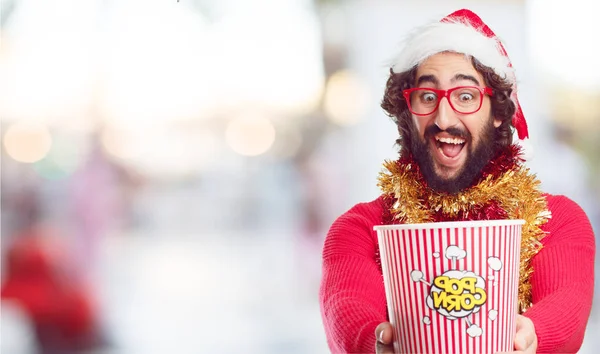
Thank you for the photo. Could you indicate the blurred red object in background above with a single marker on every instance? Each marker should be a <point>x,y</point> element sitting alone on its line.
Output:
<point>59,305</point>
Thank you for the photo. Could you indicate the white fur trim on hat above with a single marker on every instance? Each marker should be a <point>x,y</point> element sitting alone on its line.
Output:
<point>527,151</point>
<point>455,37</point>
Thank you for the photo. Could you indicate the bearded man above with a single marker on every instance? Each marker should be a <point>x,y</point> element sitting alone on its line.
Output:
<point>452,94</point>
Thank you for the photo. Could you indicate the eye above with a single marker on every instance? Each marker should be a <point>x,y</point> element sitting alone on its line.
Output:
<point>465,97</point>
<point>428,97</point>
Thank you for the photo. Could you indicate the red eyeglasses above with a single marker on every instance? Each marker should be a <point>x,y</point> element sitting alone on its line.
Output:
<point>423,101</point>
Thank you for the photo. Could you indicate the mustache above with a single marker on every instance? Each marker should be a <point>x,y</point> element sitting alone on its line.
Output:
<point>432,130</point>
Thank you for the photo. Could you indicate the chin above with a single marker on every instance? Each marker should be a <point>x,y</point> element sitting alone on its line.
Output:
<point>446,180</point>
<point>447,174</point>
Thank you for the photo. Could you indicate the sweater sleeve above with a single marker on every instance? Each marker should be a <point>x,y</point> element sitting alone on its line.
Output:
<point>352,293</point>
<point>563,279</point>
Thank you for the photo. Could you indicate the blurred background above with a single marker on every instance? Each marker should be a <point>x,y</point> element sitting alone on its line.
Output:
<point>170,168</point>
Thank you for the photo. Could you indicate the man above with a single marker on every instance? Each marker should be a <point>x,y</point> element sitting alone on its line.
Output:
<point>452,94</point>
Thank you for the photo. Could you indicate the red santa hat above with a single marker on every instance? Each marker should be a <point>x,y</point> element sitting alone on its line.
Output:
<point>463,32</point>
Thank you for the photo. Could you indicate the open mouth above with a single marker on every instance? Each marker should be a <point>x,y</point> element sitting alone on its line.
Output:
<point>448,150</point>
<point>450,147</point>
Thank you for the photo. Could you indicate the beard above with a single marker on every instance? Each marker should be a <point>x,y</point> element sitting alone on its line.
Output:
<point>477,158</point>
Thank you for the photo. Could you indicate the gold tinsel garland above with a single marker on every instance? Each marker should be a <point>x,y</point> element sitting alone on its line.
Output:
<point>515,191</point>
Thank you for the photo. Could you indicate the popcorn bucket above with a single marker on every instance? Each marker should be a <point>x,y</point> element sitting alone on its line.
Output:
<point>452,287</point>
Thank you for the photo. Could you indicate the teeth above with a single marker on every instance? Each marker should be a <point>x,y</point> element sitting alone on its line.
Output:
<point>450,140</point>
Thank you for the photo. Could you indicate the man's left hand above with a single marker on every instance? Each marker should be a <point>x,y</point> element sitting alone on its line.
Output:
<point>525,338</point>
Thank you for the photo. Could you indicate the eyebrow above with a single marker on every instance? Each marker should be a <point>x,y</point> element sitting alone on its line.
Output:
<point>427,78</point>
<point>465,77</point>
<point>433,80</point>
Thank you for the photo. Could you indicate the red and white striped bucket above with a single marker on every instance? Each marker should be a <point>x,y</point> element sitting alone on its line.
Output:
<point>452,287</point>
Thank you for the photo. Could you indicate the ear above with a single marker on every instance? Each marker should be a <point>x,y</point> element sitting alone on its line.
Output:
<point>497,122</point>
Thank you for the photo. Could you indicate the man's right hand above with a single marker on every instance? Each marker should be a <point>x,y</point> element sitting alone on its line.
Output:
<point>384,335</point>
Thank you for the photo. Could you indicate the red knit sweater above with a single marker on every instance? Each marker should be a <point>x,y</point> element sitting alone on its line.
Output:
<point>352,293</point>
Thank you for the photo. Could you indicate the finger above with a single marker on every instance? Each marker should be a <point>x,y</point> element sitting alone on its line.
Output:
<point>532,349</point>
<point>525,336</point>
<point>519,337</point>
<point>520,341</point>
<point>383,333</point>
<point>384,349</point>
<point>384,336</point>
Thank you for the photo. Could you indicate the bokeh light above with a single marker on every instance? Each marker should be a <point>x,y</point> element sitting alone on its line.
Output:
<point>250,134</point>
<point>121,142</point>
<point>27,142</point>
<point>65,156</point>
<point>346,98</point>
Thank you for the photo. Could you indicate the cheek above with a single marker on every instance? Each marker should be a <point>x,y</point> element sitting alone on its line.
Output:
<point>478,128</point>
<point>421,124</point>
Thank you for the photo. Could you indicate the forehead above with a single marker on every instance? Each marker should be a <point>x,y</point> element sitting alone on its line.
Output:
<point>445,67</point>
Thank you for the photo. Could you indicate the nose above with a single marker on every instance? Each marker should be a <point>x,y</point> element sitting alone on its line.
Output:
<point>445,117</point>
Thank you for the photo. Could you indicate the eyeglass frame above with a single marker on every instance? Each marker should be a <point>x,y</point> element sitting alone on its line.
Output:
<point>445,93</point>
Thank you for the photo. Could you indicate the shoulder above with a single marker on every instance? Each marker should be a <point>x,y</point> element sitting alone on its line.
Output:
<point>354,228</point>
<point>372,209</point>
<point>368,213</point>
<point>568,220</point>
<point>564,210</point>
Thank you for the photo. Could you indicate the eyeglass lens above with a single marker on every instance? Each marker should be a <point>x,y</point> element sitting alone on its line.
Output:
<point>464,100</point>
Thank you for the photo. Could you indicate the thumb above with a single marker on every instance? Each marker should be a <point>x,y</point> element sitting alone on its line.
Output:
<point>383,333</point>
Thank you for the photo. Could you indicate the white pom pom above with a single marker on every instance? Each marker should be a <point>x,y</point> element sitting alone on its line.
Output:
<point>526,149</point>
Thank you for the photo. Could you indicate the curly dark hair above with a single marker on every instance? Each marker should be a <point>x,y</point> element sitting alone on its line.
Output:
<point>503,108</point>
